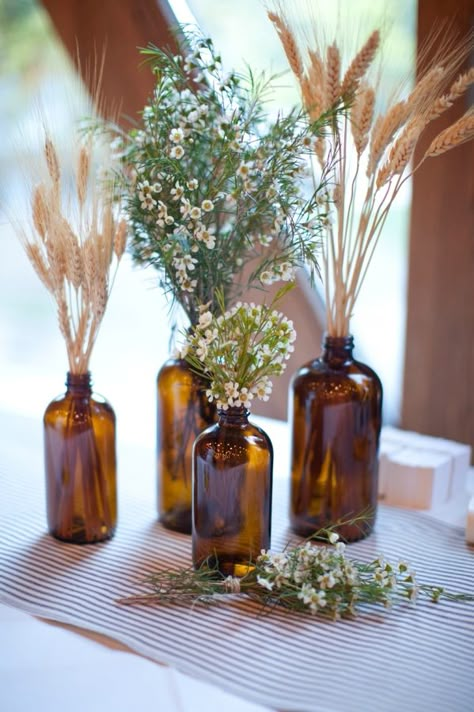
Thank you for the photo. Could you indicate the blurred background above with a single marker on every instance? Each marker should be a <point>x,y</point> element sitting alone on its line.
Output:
<point>35,71</point>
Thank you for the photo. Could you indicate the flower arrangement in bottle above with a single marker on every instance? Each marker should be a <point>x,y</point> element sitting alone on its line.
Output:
<point>215,205</point>
<point>232,461</point>
<point>210,181</point>
<point>75,242</point>
<point>368,154</point>
<point>239,350</point>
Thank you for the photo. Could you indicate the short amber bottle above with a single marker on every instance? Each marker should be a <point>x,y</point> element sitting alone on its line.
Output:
<point>335,416</point>
<point>183,411</point>
<point>80,463</point>
<point>232,493</point>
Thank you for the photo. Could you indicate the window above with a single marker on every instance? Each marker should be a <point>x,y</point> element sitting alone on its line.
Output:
<point>133,341</point>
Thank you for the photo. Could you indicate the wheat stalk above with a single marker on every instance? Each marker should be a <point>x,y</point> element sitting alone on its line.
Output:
<point>313,99</point>
<point>333,69</point>
<point>361,117</point>
<point>360,64</point>
<point>289,45</point>
<point>75,264</point>
<point>384,130</point>
<point>52,160</point>
<point>400,153</point>
<point>460,132</point>
<point>120,239</point>
<point>426,89</point>
<point>72,260</point>
<point>390,140</point>
<point>40,211</point>
<point>83,174</point>
<point>42,270</point>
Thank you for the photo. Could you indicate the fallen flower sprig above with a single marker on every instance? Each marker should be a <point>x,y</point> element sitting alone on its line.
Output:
<point>311,578</point>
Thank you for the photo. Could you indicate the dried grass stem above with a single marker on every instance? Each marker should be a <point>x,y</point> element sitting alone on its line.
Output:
<point>383,148</point>
<point>74,264</point>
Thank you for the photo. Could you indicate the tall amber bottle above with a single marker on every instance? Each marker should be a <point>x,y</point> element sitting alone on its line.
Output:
<point>232,493</point>
<point>80,463</point>
<point>335,416</point>
<point>184,411</point>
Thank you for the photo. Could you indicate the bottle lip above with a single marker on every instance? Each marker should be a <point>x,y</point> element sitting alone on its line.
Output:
<point>341,341</point>
<point>234,412</point>
<point>79,380</point>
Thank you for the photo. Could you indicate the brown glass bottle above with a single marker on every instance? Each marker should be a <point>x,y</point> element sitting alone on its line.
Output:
<point>80,463</point>
<point>335,417</point>
<point>184,411</point>
<point>232,493</point>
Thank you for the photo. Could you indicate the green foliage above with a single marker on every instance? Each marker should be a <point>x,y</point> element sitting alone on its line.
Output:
<point>321,580</point>
<point>212,185</point>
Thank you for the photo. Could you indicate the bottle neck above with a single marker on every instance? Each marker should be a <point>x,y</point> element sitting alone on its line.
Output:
<point>79,384</point>
<point>337,350</point>
<point>234,416</point>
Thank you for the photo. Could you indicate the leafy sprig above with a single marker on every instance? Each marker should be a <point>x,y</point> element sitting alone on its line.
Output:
<point>212,185</point>
<point>317,579</point>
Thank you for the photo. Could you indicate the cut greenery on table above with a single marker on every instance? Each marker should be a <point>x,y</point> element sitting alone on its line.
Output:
<point>313,578</point>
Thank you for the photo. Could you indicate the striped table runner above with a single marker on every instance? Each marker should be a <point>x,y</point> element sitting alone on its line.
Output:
<point>412,658</point>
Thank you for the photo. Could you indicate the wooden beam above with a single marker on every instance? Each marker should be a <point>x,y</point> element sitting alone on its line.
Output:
<point>438,394</point>
<point>87,27</point>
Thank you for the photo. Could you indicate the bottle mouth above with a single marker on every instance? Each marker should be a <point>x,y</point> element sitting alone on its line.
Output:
<point>234,412</point>
<point>337,341</point>
<point>79,381</point>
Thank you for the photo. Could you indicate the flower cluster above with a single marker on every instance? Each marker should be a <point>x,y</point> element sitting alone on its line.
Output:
<point>210,185</point>
<point>324,580</point>
<point>311,578</point>
<point>239,351</point>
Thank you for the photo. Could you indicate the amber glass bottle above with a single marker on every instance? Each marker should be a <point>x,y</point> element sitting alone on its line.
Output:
<point>80,463</point>
<point>335,416</point>
<point>184,411</point>
<point>232,493</point>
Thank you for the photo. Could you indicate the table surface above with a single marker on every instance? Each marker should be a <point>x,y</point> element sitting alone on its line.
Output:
<point>42,664</point>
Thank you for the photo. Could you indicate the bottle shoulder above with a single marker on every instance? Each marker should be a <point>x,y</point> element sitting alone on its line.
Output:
<point>95,402</point>
<point>367,371</point>
<point>259,435</point>
<point>219,432</point>
<point>99,404</point>
<point>318,368</point>
<point>176,372</point>
<point>175,363</point>
<point>321,376</point>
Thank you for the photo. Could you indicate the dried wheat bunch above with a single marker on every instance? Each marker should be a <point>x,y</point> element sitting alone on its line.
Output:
<point>365,152</point>
<point>73,241</point>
